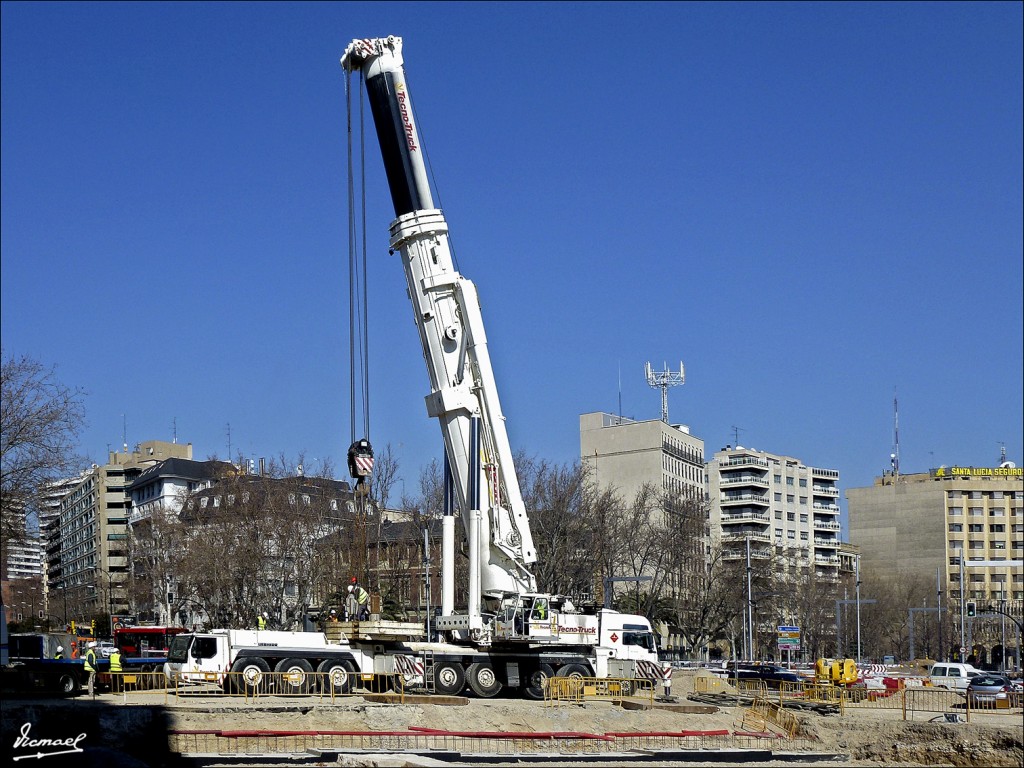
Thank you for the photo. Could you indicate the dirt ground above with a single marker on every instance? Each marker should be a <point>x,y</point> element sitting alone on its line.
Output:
<point>867,737</point>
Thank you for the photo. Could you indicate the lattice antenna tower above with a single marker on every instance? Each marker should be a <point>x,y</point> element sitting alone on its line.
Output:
<point>663,380</point>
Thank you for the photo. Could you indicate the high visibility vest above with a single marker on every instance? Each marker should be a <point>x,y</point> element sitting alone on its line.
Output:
<point>115,661</point>
<point>261,623</point>
<point>90,660</point>
<point>362,596</point>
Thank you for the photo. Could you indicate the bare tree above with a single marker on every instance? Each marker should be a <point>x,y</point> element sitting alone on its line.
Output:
<point>40,418</point>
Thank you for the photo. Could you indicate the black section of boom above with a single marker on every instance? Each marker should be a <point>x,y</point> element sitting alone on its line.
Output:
<point>394,143</point>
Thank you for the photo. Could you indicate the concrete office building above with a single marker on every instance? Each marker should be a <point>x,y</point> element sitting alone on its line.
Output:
<point>779,504</point>
<point>625,454</point>
<point>93,530</point>
<point>907,526</point>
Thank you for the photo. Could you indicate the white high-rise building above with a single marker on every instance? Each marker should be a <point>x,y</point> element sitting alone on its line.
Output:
<point>779,504</point>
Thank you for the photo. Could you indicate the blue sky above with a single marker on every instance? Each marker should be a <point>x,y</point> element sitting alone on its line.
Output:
<point>812,206</point>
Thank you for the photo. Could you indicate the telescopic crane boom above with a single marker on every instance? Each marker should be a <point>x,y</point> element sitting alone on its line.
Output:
<point>463,394</point>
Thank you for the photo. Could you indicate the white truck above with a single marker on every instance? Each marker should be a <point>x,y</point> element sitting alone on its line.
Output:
<point>510,635</point>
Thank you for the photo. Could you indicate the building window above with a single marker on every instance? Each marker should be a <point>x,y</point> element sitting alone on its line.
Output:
<point>789,481</point>
<point>803,518</point>
<point>976,512</point>
<point>803,536</point>
<point>803,482</point>
<point>790,534</point>
<point>778,479</point>
<point>997,528</point>
<point>956,511</point>
<point>778,497</point>
<point>791,516</point>
<point>955,527</point>
<point>976,528</point>
<point>976,495</point>
<point>778,514</point>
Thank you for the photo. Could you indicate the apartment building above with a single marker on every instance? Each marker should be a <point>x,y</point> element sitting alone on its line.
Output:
<point>909,526</point>
<point>776,503</point>
<point>91,548</point>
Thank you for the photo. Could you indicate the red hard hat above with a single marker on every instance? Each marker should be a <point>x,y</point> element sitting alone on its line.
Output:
<point>354,579</point>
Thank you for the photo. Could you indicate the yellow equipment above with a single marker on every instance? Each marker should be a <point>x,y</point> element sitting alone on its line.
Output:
<point>835,671</point>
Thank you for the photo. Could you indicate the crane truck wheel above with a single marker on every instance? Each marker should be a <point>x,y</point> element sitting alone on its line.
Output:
<point>483,680</point>
<point>68,685</point>
<point>293,677</point>
<point>449,678</point>
<point>250,675</point>
<point>575,673</point>
<point>339,676</point>
<point>534,688</point>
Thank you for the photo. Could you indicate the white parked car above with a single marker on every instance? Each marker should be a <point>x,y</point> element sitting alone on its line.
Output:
<point>104,648</point>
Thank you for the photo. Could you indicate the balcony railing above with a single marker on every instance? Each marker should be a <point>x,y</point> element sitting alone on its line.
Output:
<point>744,461</point>
<point>825,490</point>
<point>755,497</point>
<point>824,472</point>
<point>741,554</point>
<point>744,480</point>
<point>829,508</point>
<point>732,538</point>
<point>826,525</point>
<point>830,543</point>
<point>744,516</point>
<point>825,560</point>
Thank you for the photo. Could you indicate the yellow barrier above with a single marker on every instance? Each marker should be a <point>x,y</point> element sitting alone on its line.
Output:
<point>578,689</point>
<point>252,685</point>
<point>763,714</point>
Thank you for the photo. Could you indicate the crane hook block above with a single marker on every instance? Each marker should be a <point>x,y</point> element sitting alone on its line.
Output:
<point>360,459</point>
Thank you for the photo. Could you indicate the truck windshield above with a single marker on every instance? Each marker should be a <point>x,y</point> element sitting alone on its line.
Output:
<point>179,648</point>
<point>642,639</point>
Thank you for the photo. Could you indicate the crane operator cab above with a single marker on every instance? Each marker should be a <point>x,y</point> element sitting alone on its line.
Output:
<point>527,616</point>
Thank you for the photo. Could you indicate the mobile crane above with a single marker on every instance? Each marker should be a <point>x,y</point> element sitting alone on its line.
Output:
<point>510,635</point>
<point>504,608</point>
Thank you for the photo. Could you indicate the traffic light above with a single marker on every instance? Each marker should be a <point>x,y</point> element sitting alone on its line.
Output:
<point>972,609</point>
<point>72,627</point>
<point>92,626</point>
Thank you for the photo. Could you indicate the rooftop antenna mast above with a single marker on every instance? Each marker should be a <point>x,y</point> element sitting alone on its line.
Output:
<point>663,381</point>
<point>736,435</point>
<point>894,457</point>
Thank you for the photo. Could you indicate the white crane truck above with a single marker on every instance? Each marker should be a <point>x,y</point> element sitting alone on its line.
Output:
<point>510,635</point>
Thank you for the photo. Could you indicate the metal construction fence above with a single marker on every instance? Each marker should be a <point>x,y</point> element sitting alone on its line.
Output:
<point>907,700</point>
<point>261,742</point>
<point>567,690</point>
<point>318,685</point>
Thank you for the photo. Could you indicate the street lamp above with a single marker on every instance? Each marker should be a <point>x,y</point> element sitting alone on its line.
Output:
<point>857,564</point>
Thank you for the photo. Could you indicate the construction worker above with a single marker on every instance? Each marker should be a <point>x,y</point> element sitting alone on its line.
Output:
<point>333,616</point>
<point>362,599</point>
<point>115,670</point>
<point>351,605</point>
<point>261,620</point>
<point>90,666</point>
<point>60,652</point>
